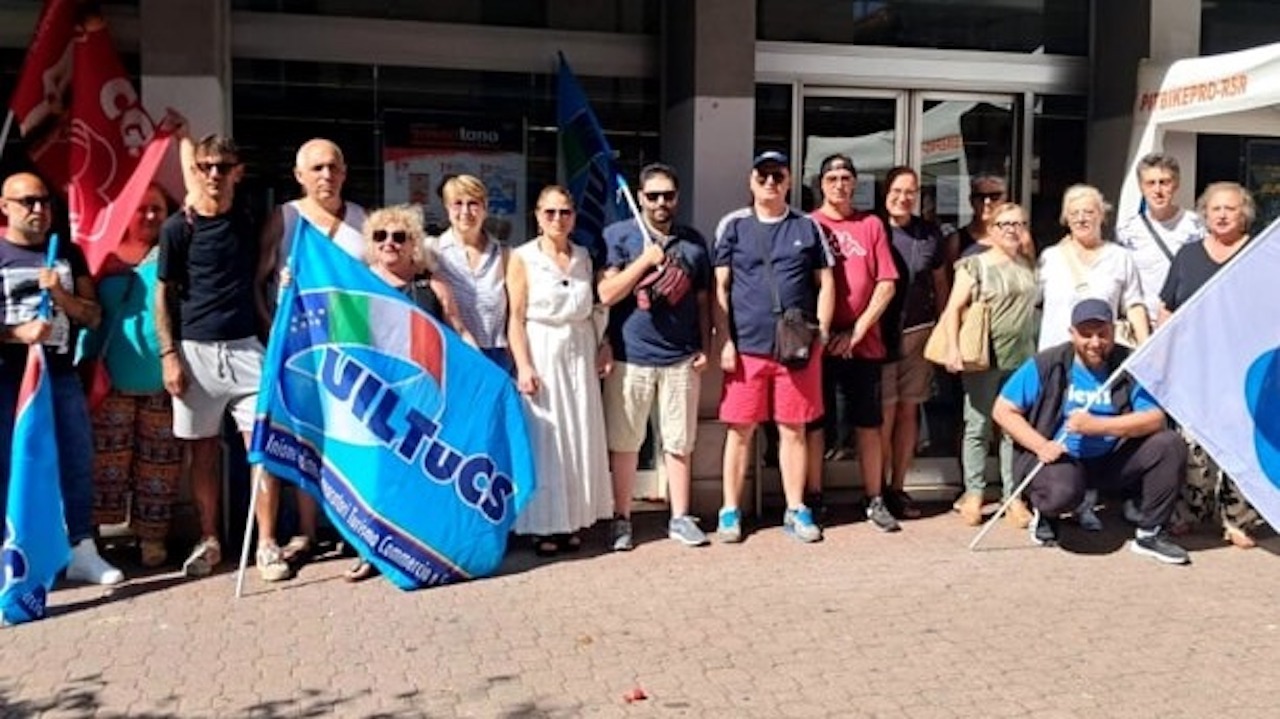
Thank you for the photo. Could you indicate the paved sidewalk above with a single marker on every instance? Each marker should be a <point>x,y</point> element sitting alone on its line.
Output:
<point>864,624</point>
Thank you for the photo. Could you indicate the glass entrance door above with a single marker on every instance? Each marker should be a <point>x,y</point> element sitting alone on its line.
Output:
<point>866,125</point>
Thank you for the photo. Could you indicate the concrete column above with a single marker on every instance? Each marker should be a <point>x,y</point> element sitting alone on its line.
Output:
<point>708,88</point>
<point>1122,35</point>
<point>185,47</point>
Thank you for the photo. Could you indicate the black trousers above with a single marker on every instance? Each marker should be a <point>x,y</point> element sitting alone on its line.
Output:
<point>1156,464</point>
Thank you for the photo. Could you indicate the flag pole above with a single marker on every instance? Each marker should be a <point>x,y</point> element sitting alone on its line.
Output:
<point>256,472</point>
<point>4,134</point>
<point>625,189</point>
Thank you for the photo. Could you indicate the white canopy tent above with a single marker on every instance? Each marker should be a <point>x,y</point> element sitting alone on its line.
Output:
<point>1234,93</point>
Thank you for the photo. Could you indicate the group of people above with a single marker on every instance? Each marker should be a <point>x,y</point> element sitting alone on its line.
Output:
<point>819,323</point>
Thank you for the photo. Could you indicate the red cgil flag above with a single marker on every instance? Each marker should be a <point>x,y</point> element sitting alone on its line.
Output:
<point>85,127</point>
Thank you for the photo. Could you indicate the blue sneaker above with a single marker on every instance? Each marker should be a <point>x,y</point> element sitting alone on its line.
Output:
<point>729,528</point>
<point>799,523</point>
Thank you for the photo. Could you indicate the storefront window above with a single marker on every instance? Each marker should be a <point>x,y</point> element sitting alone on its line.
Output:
<point>1050,26</point>
<point>623,16</point>
<point>1229,25</point>
<point>469,121</point>
<point>773,118</point>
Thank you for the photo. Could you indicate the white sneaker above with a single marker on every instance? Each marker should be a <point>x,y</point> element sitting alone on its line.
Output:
<point>89,567</point>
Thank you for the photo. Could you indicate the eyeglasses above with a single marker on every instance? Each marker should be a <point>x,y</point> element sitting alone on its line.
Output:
<point>1008,225</point>
<point>30,201</point>
<point>466,205</point>
<point>834,178</point>
<point>778,176</point>
<point>668,196</point>
<point>223,168</point>
<point>986,196</point>
<point>398,236</point>
<point>551,213</point>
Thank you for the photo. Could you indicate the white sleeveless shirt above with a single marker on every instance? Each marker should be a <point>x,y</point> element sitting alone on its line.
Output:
<point>348,235</point>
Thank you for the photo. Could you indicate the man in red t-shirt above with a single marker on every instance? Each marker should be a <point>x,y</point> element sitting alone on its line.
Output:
<point>864,284</point>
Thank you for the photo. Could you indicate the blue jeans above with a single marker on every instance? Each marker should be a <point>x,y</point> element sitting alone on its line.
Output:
<point>75,447</point>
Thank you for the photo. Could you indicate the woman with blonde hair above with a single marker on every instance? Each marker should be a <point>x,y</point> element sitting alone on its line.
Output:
<point>1005,280</point>
<point>396,251</point>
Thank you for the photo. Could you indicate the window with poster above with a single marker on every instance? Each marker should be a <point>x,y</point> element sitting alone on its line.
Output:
<point>422,150</point>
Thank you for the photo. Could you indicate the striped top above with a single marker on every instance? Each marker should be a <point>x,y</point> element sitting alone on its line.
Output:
<point>481,293</point>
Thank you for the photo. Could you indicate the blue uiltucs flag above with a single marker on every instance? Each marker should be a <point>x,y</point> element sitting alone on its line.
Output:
<point>35,547</point>
<point>414,443</point>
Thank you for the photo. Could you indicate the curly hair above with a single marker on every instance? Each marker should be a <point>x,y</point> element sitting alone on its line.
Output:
<point>409,218</point>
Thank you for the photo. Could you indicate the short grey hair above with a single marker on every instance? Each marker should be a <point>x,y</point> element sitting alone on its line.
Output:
<point>1081,191</point>
<point>1158,161</point>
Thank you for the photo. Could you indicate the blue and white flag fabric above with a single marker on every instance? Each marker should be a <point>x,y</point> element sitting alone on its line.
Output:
<point>36,546</point>
<point>414,443</point>
<point>587,164</point>
<point>1215,368</point>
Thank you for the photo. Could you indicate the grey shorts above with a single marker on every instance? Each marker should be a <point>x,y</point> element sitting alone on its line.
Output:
<point>220,376</point>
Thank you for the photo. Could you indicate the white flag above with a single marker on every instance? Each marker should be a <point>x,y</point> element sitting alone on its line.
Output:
<point>1215,368</point>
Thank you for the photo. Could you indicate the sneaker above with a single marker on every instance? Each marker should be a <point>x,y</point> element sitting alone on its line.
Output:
<point>1158,546</point>
<point>729,526</point>
<point>799,524</point>
<point>89,567</point>
<point>1043,529</point>
<point>206,556</point>
<point>620,535</point>
<point>817,505</point>
<point>878,514</point>
<point>900,504</point>
<point>684,529</point>
<point>1086,517</point>
<point>271,564</point>
<point>1132,512</point>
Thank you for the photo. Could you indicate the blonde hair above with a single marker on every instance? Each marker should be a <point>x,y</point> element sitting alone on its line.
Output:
<point>1247,205</point>
<point>410,218</point>
<point>1081,191</point>
<point>468,186</point>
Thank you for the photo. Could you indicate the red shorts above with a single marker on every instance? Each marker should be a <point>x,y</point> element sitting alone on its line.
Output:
<point>761,389</point>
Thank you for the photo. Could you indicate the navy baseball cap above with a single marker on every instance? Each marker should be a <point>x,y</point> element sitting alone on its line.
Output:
<point>770,157</point>
<point>1091,310</point>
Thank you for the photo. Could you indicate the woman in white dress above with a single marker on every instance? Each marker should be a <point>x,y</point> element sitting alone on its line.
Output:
<point>556,346</point>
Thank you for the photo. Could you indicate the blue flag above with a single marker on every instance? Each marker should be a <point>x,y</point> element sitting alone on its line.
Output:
<point>414,443</point>
<point>36,547</point>
<point>589,168</point>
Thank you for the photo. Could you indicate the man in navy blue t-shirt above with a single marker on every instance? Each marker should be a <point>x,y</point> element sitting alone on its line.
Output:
<point>656,280</point>
<point>1087,433</point>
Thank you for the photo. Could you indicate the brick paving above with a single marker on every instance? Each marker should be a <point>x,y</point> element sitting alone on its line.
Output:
<point>907,625</point>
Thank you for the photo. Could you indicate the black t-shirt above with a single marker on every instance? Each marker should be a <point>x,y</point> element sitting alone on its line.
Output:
<point>212,261</point>
<point>1191,268</point>
<point>20,289</point>
<point>918,250</point>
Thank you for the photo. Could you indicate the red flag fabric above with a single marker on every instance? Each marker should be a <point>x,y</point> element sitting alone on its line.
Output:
<point>40,99</point>
<point>85,127</point>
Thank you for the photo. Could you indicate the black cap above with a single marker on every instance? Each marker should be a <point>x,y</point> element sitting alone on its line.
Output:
<point>770,157</point>
<point>1091,310</point>
<point>837,161</point>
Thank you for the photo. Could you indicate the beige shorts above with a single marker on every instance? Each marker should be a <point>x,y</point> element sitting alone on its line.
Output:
<point>629,394</point>
<point>910,379</point>
<point>220,376</point>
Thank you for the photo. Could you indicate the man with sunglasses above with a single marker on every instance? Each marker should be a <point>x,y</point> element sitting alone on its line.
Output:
<point>865,277</point>
<point>769,258</point>
<point>320,169</point>
<point>24,277</point>
<point>659,340</point>
<point>1056,413</point>
<point>207,325</point>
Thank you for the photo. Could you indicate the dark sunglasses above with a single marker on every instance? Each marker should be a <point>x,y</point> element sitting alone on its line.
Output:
<point>552,213</point>
<point>223,168</point>
<point>30,201</point>
<point>985,196</point>
<point>668,195</point>
<point>778,176</point>
<point>399,236</point>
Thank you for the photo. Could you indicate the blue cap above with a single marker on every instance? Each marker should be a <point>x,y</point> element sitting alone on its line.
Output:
<point>770,157</point>
<point>1091,310</point>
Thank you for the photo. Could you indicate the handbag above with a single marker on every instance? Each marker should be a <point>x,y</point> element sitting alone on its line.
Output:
<point>667,283</point>
<point>794,329</point>
<point>975,332</point>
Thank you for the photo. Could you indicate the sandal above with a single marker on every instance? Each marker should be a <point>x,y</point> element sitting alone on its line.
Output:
<point>569,542</point>
<point>1238,537</point>
<point>360,571</point>
<point>546,546</point>
<point>298,550</point>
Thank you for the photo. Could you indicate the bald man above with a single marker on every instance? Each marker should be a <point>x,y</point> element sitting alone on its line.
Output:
<point>24,276</point>
<point>320,170</point>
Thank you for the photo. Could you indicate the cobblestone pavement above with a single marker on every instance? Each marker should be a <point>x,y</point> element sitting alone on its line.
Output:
<point>864,624</point>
